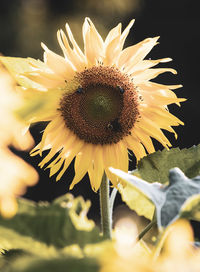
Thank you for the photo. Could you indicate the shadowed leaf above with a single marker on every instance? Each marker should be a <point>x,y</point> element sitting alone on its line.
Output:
<point>169,200</point>
<point>137,201</point>
<point>191,208</point>
<point>155,167</point>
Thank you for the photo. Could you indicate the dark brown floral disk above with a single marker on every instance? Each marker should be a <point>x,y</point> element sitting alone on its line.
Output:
<point>104,108</point>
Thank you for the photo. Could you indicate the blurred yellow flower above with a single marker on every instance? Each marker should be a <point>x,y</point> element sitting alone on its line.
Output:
<point>178,253</point>
<point>15,174</point>
<point>104,103</point>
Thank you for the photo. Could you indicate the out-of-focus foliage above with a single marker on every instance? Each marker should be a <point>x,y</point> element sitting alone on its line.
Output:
<point>59,264</point>
<point>156,166</point>
<point>15,174</point>
<point>62,244</point>
<point>43,236</point>
<point>59,224</point>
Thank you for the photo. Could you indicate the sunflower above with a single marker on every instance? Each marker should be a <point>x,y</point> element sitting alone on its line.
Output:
<point>15,174</point>
<point>103,103</point>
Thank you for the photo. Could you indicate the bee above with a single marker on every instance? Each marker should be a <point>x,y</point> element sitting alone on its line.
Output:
<point>80,90</point>
<point>120,89</point>
<point>115,126</point>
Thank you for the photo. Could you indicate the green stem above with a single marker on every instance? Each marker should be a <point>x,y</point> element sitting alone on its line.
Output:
<point>146,229</point>
<point>112,200</point>
<point>104,207</point>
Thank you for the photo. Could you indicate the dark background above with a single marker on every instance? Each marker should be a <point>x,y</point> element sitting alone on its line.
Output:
<point>25,23</point>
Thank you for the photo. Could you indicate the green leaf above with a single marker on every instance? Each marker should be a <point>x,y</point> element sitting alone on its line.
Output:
<point>191,208</point>
<point>168,200</point>
<point>61,223</point>
<point>18,66</point>
<point>11,241</point>
<point>137,201</point>
<point>155,167</point>
<point>58,264</point>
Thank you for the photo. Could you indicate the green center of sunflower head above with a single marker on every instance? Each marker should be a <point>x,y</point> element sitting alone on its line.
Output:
<point>100,103</point>
<point>103,109</point>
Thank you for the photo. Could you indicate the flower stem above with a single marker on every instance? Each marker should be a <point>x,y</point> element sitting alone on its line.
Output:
<point>112,200</point>
<point>146,229</point>
<point>105,208</point>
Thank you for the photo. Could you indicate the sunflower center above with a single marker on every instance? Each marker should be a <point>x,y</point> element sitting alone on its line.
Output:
<point>100,103</point>
<point>103,108</point>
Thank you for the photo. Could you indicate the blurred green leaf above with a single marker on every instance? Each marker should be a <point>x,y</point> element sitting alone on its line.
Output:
<point>155,167</point>
<point>169,200</point>
<point>61,223</point>
<point>11,241</point>
<point>58,264</point>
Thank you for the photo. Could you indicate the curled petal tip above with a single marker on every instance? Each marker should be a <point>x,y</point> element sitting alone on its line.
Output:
<point>88,20</point>
<point>44,46</point>
<point>173,71</point>
<point>166,60</point>
<point>155,39</point>
<point>132,22</point>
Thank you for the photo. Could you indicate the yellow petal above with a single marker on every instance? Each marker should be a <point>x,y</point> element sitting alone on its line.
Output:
<point>74,44</point>
<point>122,156</point>
<point>115,32</point>
<point>134,145</point>
<point>110,159</point>
<point>158,98</point>
<point>43,80</point>
<point>125,33</point>
<point>144,139</point>
<point>144,64</point>
<point>82,163</point>
<point>112,51</point>
<point>132,55</point>
<point>93,43</point>
<point>153,86</point>
<point>114,46</point>
<point>49,129</point>
<point>160,90</point>
<point>69,155</point>
<point>56,167</point>
<point>69,53</point>
<point>157,113</point>
<point>97,168</point>
<point>58,64</point>
<point>150,128</point>
<point>139,77</point>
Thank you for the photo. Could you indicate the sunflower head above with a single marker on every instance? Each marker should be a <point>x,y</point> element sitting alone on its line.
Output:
<point>103,107</point>
<point>103,103</point>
